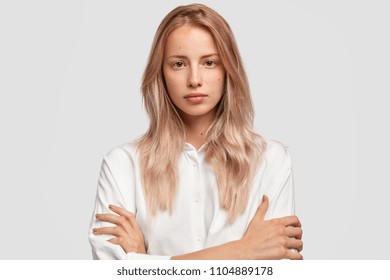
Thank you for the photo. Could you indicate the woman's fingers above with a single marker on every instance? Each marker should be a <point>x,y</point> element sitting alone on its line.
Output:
<point>116,231</point>
<point>278,238</point>
<point>130,217</point>
<point>114,219</point>
<point>128,245</point>
<point>134,224</point>
<point>262,209</point>
<point>293,243</point>
<point>121,221</point>
<point>295,232</point>
<point>127,233</point>
<point>290,221</point>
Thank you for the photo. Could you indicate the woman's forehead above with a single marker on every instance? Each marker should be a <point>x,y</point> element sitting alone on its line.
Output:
<point>189,40</point>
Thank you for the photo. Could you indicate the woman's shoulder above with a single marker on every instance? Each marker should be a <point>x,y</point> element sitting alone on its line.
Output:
<point>122,154</point>
<point>276,152</point>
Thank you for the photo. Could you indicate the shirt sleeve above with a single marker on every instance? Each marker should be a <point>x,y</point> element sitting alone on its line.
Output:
<point>279,182</point>
<point>116,185</point>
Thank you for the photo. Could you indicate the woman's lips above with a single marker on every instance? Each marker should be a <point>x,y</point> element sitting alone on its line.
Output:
<point>195,98</point>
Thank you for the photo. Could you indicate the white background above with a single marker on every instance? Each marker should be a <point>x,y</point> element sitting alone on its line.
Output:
<point>70,73</point>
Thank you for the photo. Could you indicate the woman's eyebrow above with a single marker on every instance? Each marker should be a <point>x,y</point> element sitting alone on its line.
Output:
<point>184,56</point>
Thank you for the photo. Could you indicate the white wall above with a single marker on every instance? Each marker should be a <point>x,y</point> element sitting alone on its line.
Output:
<point>69,91</point>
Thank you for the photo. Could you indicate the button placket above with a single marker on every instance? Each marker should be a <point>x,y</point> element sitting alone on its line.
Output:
<point>197,208</point>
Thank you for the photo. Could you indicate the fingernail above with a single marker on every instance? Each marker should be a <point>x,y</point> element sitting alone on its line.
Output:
<point>111,206</point>
<point>94,230</point>
<point>97,216</point>
<point>263,198</point>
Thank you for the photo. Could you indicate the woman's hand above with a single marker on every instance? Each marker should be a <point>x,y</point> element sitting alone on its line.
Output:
<point>127,233</point>
<point>272,239</point>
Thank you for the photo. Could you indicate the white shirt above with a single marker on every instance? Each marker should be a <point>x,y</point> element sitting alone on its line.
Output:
<point>197,221</point>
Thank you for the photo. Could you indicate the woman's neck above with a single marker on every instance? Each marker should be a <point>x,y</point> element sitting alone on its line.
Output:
<point>196,128</point>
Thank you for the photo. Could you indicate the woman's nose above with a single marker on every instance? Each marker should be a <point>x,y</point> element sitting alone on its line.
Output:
<point>195,79</point>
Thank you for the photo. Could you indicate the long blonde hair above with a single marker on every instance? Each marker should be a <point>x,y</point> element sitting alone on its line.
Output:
<point>232,148</point>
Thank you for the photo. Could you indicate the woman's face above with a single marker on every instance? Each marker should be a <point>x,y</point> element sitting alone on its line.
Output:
<point>193,72</point>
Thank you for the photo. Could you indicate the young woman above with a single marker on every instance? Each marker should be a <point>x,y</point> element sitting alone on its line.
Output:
<point>200,184</point>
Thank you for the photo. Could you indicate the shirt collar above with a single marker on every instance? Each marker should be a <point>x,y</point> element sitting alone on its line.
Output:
<point>190,147</point>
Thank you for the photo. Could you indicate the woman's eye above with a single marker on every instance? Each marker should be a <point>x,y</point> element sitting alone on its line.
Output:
<point>210,63</point>
<point>178,64</point>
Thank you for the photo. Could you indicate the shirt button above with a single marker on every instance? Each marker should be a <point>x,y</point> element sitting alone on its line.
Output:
<point>199,239</point>
<point>197,200</point>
